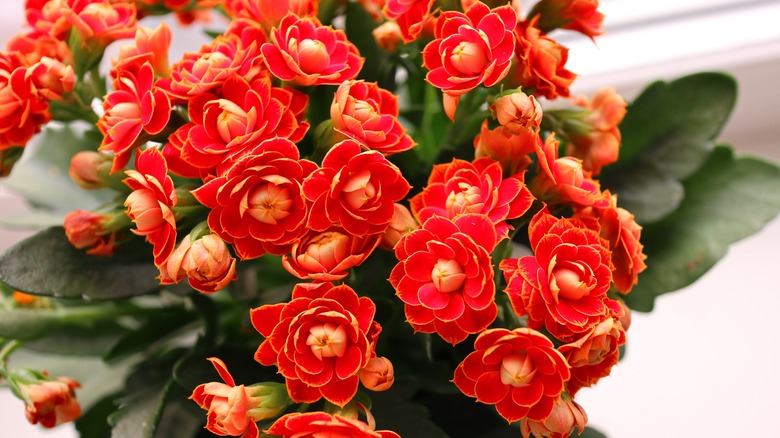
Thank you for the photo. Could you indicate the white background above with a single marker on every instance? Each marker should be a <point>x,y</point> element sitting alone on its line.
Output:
<point>704,362</point>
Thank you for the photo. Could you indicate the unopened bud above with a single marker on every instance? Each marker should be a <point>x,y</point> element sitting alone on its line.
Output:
<point>517,112</point>
<point>378,374</point>
<point>89,169</point>
<point>401,224</point>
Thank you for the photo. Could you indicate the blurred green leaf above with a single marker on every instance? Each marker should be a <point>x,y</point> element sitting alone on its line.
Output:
<point>47,264</point>
<point>394,410</point>
<point>93,422</point>
<point>726,200</point>
<point>668,134</point>
<point>93,339</point>
<point>28,324</point>
<point>153,333</point>
<point>674,124</point>
<point>358,27</point>
<point>41,177</point>
<point>590,432</point>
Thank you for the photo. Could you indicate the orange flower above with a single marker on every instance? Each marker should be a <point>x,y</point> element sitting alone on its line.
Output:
<point>268,13</point>
<point>369,115</point>
<point>511,150</point>
<point>22,108</point>
<point>577,15</point>
<point>401,224</point>
<point>233,410</point>
<point>89,230</point>
<point>101,22</point>
<point>410,15</point>
<point>541,62</point>
<point>305,52</point>
<point>519,371</point>
<point>566,416</point>
<point>205,261</point>
<point>598,146</point>
<point>563,180</point>
<point>321,424</point>
<point>378,374</point>
<point>51,402</point>
<point>517,112</point>
<point>593,354</point>
<point>328,255</point>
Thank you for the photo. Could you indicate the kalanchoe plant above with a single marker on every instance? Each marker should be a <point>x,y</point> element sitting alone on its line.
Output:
<point>327,199</point>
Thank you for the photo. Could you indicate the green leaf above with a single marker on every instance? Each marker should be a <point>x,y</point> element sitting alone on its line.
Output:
<point>93,422</point>
<point>590,432</point>
<point>673,124</point>
<point>153,333</point>
<point>47,264</point>
<point>394,411</point>
<point>358,27</point>
<point>648,193</point>
<point>147,390</point>
<point>91,340</point>
<point>41,176</point>
<point>728,199</point>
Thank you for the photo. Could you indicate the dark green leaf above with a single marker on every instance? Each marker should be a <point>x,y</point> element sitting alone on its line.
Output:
<point>728,199</point>
<point>647,193</point>
<point>147,390</point>
<point>47,264</point>
<point>674,124</point>
<point>394,411</point>
<point>194,368</point>
<point>41,176</point>
<point>93,422</point>
<point>29,324</point>
<point>359,26</point>
<point>91,340</point>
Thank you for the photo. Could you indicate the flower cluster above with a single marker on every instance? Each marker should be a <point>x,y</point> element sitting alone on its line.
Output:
<point>275,141</point>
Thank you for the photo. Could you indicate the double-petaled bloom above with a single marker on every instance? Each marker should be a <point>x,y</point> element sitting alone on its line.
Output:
<point>101,22</point>
<point>150,205</point>
<point>25,93</point>
<point>233,410</point>
<point>562,179</point>
<point>355,189</point>
<point>410,15</point>
<point>268,13</point>
<point>258,205</point>
<point>461,187</point>
<point>617,226</point>
<point>328,255</point>
<point>593,354</point>
<point>563,286</point>
<point>135,106</point>
<point>305,52</point>
<point>445,276</point>
<point>226,125</point>
<point>541,62</point>
<point>518,371</point>
<point>320,341</point>
<point>369,115</point>
<point>321,424</point>
<point>470,49</point>
<point>566,416</point>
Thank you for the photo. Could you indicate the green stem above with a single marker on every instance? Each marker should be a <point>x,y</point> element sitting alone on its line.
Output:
<point>5,352</point>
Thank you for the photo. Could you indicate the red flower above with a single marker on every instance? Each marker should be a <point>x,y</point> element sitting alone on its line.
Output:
<point>328,255</point>
<point>617,226</point>
<point>410,16</point>
<point>578,15</point>
<point>511,150</point>
<point>134,106</point>
<point>470,49</point>
<point>258,204</point>
<point>519,371</point>
<point>445,276</point>
<point>204,71</point>
<point>233,410</point>
<point>268,13</point>
<point>101,22</point>
<point>89,230</point>
<point>150,204</point>
<point>599,145</point>
<point>563,180</point>
<point>462,187</point>
<point>369,115</point>
<point>355,190</point>
<point>242,116</point>
<point>563,286</point>
<point>593,354</point>
<point>320,341</point>
<point>51,402</point>
<point>320,424</point>
<point>541,62</point>
<point>150,45</point>
<point>305,52</point>
<point>205,261</point>
<point>566,416</point>
<point>22,110</point>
